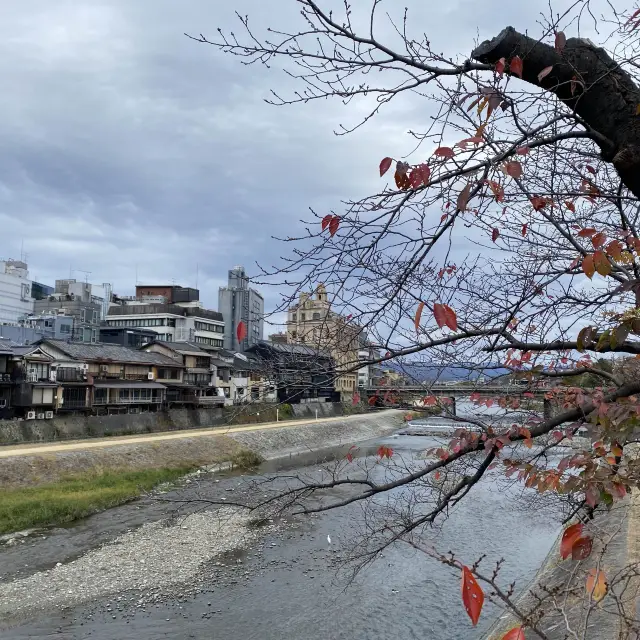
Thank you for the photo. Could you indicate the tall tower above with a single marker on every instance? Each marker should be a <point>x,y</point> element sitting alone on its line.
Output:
<point>238,302</point>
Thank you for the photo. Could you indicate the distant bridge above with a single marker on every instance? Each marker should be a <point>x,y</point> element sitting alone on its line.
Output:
<point>409,395</point>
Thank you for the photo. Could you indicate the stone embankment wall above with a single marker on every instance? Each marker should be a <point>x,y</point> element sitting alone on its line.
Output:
<point>201,450</point>
<point>79,426</point>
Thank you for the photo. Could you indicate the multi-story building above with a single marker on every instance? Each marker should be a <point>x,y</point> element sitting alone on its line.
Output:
<point>83,301</point>
<point>41,291</point>
<point>16,300</point>
<point>240,303</point>
<point>369,374</point>
<point>170,322</point>
<point>127,336</point>
<point>311,322</point>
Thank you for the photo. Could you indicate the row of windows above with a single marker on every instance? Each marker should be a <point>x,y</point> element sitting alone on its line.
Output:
<point>205,326</point>
<point>143,322</point>
<point>303,316</point>
<point>168,374</point>
<point>212,342</point>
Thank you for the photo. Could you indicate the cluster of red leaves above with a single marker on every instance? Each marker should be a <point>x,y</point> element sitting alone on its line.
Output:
<point>332,223</point>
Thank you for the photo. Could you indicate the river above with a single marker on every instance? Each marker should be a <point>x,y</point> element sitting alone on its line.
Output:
<point>292,583</point>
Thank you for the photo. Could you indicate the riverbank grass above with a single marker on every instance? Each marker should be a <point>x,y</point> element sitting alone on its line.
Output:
<point>77,496</point>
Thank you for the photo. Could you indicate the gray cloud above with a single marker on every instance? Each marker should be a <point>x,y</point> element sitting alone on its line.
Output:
<point>126,146</point>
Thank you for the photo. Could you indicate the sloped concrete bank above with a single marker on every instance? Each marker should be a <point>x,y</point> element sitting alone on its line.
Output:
<point>203,450</point>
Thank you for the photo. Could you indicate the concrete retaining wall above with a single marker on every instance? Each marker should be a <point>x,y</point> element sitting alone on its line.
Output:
<point>79,426</point>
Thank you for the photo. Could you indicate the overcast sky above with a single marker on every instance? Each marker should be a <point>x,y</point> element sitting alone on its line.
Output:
<point>126,147</point>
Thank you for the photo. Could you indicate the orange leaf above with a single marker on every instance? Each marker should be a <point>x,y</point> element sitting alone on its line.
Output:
<point>500,66</point>
<point>497,189</point>
<point>616,450</point>
<point>472,595</point>
<point>463,197</point>
<point>601,262</point>
<point>416,320</point>
<point>570,535</point>
<point>588,266</point>
<point>597,584</point>
<point>385,163</point>
<point>528,442</point>
<point>515,66</point>
<point>517,633</point>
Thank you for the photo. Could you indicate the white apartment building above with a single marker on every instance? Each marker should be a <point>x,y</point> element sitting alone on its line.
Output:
<point>15,291</point>
<point>172,322</point>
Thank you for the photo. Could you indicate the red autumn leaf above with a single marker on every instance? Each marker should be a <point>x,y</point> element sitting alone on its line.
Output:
<point>524,229</point>
<point>385,163</point>
<point>326,220</point>
<point>472,595</point>
<point>356,398</point>
<point>601,263</point>
<point>588,266</point>
<point>445,316</point>
<point>463,197</point>
<point>586,233</point>
<point>241,331</point>
<point>614,249</point>
<point>402,180</point>
<point>581,549</point>
<point>371,401</point>
<point>561,41</point>
<point>333,225</point>
<point>415,178</point>
<point>517,633</point>
<point>425,171</point>
<point>592,496</point>
<point>384,452</point>
<point>598,240</point>
<point>544,73</point>
<point>590,169</point>
<point>528,442</point>
<point>500,66</point>
<point>514,169</point>
<point>495,234</point>
<point>444,152</point>
<point>569,537</point>
<point>522,151</point>
<point>416,320</point>
<point>619,490</point>
<point>497,189</point>
<point>570,206</point>
<point>538,203</point>
<point>515,66</point>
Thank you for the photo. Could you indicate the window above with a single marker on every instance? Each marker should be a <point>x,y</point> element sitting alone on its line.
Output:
<point>168,374</point>
<point>83,314</point>
<point>65,328</point>
<point>39,370</point>
<point>95,317</point>
<point>302,317</point>
<point>202,362</point>
<point>255,393</point>
<point>316,315</point>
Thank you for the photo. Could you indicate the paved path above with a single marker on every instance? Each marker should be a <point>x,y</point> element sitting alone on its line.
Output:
<point>99,443</point>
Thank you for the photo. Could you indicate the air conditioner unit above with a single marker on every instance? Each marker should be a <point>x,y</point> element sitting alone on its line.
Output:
<point>53,375</point>
<point>48,415</point>
<point>212,384</point>
<point>3,403</point>
<point>84,366</point>
<point>41,416</point>
<point>150,375</point>
<point>32,376</point>
<point>212,367</point>
<point>31,415</point>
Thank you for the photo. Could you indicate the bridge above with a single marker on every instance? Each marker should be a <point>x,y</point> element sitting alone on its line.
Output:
<point>412,397</point>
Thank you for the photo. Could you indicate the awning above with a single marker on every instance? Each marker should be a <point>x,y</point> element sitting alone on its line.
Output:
<point>115,384</point>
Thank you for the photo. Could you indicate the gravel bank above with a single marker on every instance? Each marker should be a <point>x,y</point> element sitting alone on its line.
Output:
<point>155,556</point>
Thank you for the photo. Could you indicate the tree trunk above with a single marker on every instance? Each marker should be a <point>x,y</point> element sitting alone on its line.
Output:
<point>603,95</point>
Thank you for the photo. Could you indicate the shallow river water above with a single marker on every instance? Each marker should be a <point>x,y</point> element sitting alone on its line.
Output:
<point>292,585</point>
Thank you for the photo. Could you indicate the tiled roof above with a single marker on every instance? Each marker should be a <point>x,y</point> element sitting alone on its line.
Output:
<point>98,352</point>
<point>182,347</point>
<point>293,349</point>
